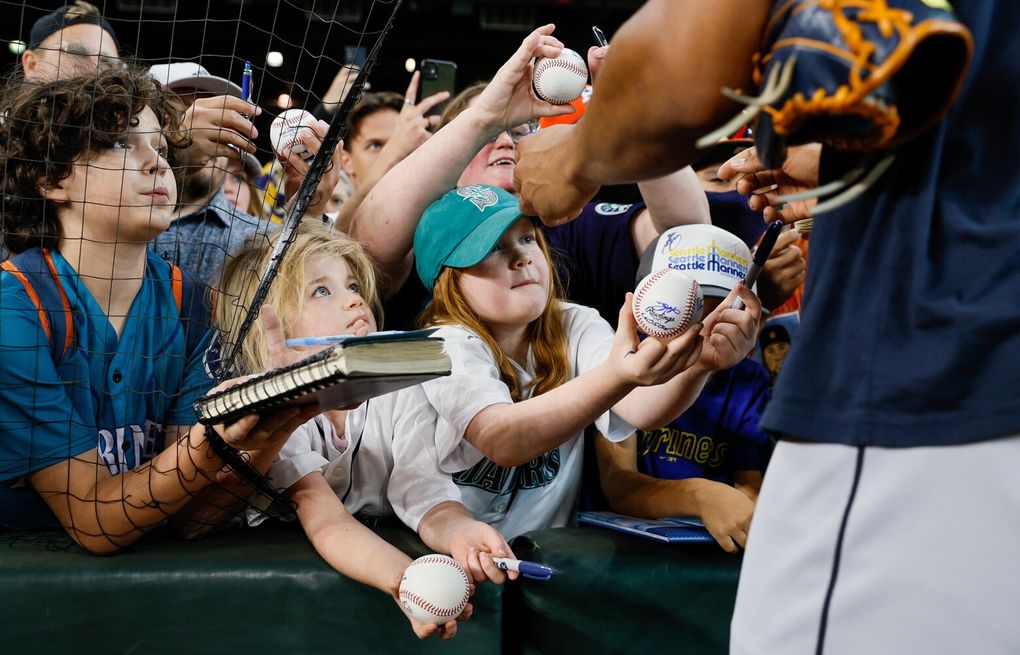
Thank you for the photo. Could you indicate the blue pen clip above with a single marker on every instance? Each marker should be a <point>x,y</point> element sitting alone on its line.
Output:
<point>530,570</point>
<point>246,82</point>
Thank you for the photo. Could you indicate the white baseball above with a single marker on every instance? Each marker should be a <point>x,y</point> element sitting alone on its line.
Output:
<point>434,589</point>
<point>284,130</point>
<point>561,79</point>
<point>667,302</point>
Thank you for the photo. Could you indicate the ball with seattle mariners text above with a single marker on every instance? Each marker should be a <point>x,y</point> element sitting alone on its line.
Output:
<point>285,130</point>
<point>434,589</point>
<point>667,302</point>
<point>561,79</point>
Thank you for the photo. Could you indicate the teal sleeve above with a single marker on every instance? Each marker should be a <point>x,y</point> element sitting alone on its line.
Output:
<point>39,424</point>
<point>195,382</point>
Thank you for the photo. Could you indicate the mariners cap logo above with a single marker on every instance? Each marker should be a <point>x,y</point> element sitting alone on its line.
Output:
<point>479,196</point>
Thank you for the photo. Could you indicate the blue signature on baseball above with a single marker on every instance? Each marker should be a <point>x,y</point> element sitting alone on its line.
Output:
<point>663,309</point>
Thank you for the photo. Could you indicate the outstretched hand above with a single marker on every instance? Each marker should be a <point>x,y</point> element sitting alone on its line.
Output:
<point>475,545</point>
<point>729,334</point>
<point>445,631</point>
<point>798,173</point>
<point>295,167</point>
<point>651,361</point>
<point>508,100</point>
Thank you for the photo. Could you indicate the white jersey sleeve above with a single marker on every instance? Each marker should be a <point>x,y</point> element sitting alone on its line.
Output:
<point>416,483</point>
<point>474,385</point>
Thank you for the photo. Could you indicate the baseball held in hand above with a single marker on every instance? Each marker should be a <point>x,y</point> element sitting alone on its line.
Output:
<point>284,131</point>
<point>667,302</point>
<point>434,589</point>
<point>561,79</point>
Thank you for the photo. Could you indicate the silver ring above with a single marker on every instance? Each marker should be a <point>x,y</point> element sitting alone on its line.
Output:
<point>408,102</point>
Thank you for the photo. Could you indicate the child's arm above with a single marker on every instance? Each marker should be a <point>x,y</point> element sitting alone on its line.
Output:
<point>354,550</point>
<point>449,528</point>
<point>728,335</point>
<point>725,511</point>
<point>511,434</point>
<point>386,220</point>
<point>105,513</point>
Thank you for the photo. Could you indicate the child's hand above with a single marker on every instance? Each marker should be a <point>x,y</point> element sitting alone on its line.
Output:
<point>726,513</point>
<point>475,545</point>
<point>277,353</point>
<point>651,361</point>
<point>729,334</point>
<point>445,631</point>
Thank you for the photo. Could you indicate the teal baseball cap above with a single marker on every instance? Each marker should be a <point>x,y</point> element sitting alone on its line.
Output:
<point>460,229</point>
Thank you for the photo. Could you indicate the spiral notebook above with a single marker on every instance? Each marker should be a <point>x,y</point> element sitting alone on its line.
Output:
<point>676,529</point>
<point>354,370</point>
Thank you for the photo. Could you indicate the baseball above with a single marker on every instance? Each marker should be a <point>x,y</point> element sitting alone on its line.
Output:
<point>667,302</point>
<point>434,589</point>
<point>560,80</point>
<point>283,132</point>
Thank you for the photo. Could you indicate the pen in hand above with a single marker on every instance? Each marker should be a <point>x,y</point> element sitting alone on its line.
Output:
<point>760,256</point>
<point>530,570</point>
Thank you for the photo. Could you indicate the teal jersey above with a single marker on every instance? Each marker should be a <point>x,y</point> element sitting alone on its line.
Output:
<point>117,394</point>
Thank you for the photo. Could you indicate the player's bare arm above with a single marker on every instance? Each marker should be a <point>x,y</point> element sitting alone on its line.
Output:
<point>559,170</point>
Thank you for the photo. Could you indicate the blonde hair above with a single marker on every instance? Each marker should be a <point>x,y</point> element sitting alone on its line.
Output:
<point>240,278</point>
<point>546,335</point>
<point>82,8</point>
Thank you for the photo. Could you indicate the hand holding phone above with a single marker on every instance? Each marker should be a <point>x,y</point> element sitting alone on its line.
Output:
<point>436,75</point>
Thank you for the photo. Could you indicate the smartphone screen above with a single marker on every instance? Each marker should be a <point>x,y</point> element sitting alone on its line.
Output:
<point>355,55</point>
<point>436,75</point>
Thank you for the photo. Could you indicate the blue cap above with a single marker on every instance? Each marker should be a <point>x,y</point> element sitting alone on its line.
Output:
<point>461,228</point>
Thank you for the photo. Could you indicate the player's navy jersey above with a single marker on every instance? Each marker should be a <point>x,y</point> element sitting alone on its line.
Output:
<point>113,393</point>
<point>910,327</point>
<point>717,435</point>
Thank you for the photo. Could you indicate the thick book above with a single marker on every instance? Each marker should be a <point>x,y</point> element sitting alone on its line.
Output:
<point>351,371</point>
<point>676,529</point>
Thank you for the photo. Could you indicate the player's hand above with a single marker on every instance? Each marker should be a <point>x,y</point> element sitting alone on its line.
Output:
<point>730,334</point>
<point>508,100</point>
<point>726,513</point>
<point>214,124</point>
<point>783,272</point>
<point>295,166</point>
<point>541,180</point>
<point>651,361</point>
<point>798,173</point>
<point>474,546</point>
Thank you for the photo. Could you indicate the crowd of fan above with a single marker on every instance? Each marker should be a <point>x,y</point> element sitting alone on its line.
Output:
<point>135,204</point>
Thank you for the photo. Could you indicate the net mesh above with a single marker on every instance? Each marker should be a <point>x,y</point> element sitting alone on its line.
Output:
<point>121,205</point>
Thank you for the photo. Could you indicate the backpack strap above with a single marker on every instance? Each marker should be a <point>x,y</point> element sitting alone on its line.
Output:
<point>36,271</point>
<point>195,316</point>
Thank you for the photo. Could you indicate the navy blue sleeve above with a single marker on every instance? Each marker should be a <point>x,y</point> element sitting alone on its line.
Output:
<point>596,258</point>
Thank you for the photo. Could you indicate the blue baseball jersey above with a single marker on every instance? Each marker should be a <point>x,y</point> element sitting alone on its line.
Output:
<point>717,435</point>
<point>910,326</point>
<point>114,394</point>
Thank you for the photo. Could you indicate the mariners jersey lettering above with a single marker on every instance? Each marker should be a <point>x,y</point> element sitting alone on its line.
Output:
<point>111,392</point>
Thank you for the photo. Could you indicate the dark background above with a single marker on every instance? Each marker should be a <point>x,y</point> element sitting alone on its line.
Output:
<point>478,35</point>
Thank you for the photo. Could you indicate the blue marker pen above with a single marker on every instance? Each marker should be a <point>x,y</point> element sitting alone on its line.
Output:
<point>246,82</point>
<point>530,570</point>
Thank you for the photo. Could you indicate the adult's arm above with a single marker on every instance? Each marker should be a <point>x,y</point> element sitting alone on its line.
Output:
<point>658,92</point>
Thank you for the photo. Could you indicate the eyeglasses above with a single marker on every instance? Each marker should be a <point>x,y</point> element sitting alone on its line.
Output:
<point>519,132</point>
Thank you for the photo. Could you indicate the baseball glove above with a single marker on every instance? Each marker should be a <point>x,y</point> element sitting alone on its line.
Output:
<point>861,75</point>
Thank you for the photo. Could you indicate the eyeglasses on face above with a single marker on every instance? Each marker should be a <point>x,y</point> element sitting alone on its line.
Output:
<point>519,132</point>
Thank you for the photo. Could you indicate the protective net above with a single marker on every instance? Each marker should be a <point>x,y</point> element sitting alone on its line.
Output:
<point>136,160</point>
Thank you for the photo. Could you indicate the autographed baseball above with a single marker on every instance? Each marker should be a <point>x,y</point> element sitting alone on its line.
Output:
<point>561,79</point>
<point>667,302</point>
<point>434,589</point>
<point>283,132</point>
